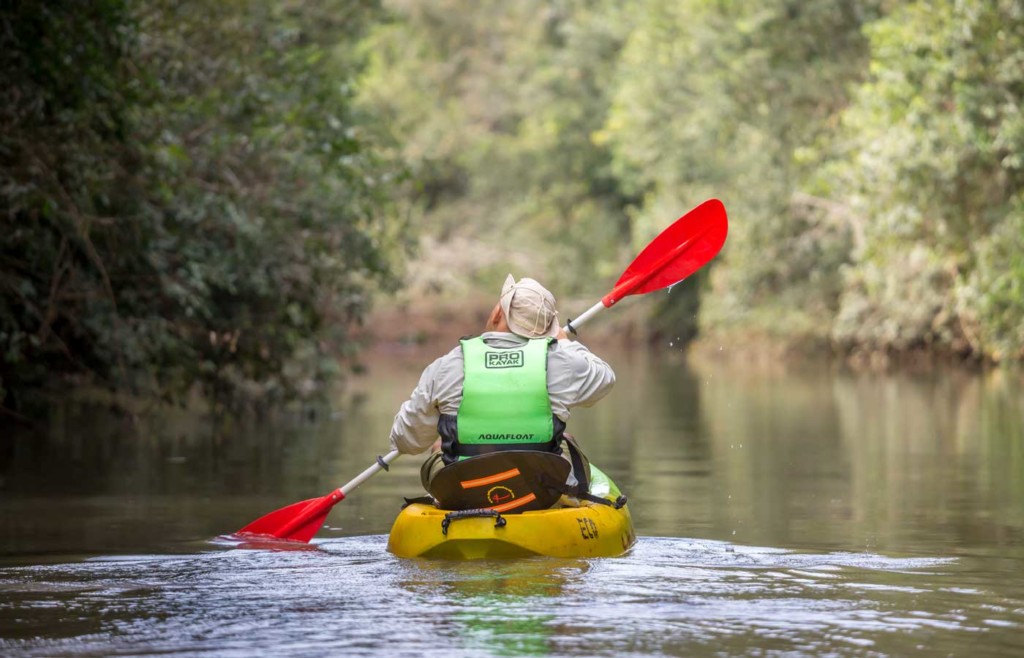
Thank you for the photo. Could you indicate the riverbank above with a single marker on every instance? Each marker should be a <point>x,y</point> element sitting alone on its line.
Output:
<point>434,325</point>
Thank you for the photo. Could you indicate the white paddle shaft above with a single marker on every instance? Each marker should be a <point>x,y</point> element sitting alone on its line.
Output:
<point>578,322</point>
<point>369,472</point>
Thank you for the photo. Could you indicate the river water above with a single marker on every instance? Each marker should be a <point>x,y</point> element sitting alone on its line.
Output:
<point>793,510</point>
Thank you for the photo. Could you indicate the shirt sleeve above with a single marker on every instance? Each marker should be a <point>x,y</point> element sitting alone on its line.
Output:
<point>577,377</point>
<point>415,427</point>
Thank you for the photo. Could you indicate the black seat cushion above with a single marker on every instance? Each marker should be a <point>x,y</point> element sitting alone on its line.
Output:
<point>509,481</point>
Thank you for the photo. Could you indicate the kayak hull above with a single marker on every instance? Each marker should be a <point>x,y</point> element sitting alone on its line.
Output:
<point>590,530</point>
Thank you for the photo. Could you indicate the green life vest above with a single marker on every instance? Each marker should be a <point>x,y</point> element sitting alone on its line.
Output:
<point>505,403</point>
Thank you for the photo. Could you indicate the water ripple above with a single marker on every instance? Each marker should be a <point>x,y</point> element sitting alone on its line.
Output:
<point>349,597</point>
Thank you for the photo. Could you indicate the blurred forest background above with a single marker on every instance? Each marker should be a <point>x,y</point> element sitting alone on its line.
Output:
<point>208,194</point>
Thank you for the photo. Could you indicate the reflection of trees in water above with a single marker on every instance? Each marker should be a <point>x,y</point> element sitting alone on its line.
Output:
<point>776,458</point>
<point>936,453</point>
<point>92,479</point>
<point>810,458</point>
<point>798,456</point>
<point>89,449</point>
<point>716,447</point>
<point>648,434</point>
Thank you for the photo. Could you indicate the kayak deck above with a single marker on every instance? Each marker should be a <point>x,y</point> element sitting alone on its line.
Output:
<point>589,530</point>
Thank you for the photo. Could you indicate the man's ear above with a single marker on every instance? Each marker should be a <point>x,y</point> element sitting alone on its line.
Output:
<point>495,318</point>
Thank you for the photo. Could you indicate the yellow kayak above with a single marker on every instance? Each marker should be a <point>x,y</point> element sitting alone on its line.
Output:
<point>589,530</point>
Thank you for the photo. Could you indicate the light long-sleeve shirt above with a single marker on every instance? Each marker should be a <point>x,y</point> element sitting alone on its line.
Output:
<point>576,378</point>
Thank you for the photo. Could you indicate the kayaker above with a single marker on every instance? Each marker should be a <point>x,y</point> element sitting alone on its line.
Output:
<point>523,378</point>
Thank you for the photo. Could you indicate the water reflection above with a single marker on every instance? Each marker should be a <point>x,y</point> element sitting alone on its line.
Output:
<point>504,608</point>
<point>817,458</point>
<point>718,450</point>
<point>937,452</point>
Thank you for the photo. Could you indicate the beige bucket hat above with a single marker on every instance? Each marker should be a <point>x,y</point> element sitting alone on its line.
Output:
<point>529,308</point>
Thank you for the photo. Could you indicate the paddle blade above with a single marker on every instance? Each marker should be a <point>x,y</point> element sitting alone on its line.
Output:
<point>297,522</point>
<point>678,251</point>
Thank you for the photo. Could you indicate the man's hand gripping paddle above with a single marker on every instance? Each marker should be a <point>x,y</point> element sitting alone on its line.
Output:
<point>678,251</point>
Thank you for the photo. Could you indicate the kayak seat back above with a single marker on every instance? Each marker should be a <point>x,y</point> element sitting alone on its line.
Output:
<point>509,481</point>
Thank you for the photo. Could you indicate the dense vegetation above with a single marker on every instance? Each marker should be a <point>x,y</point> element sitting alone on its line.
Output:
<point>187,196</point>
<point>869,153</point>
<point>207,192</point>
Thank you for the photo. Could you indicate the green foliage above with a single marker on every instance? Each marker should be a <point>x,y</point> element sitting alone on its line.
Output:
<point>908,307</point>
<point>189,196</point>
<point>868,152</point>
<point>273,200</point>
<point>729,100</point>
<point>991,298</point>
<point>932,164</point>
<point>204,192</point>
<point>64,163</point>
<point>496,104</point>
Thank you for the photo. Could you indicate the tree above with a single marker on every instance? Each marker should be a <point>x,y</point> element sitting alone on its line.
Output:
<point>188,196</point>
<point>731,100</point>
<point>932,166</point>
<point>496,105</point>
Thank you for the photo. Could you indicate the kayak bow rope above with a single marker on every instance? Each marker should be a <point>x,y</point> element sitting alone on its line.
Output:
<point>678,251</point>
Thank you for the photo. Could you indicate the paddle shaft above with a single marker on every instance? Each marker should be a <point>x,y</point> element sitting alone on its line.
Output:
<point>367,474</point>
<point>572,325</point>
<point>320,506</point>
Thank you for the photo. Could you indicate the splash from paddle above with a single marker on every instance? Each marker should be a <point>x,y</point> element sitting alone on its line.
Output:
<point>678,251</point>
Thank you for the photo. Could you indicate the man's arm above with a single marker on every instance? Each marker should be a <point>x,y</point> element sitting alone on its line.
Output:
<point>576,377</point>
<point>438,391</point>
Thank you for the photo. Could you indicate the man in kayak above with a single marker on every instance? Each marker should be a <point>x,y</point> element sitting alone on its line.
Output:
<point>512,388</point>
